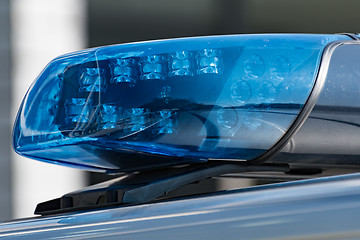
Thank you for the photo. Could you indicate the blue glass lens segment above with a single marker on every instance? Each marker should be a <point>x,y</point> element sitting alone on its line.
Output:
<point>181,64</point>
<point>90,80</point>
<point>161,103</point>
<point>123,70</point>
<point>152,67</point>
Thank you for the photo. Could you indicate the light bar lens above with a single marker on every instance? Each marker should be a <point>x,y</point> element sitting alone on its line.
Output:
<point>160,103</point>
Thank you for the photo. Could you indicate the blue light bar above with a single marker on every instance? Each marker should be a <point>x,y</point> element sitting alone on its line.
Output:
<point>162,103</point>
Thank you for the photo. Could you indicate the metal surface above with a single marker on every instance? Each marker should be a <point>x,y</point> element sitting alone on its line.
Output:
<point>330,135</point>
<point>312,209</point>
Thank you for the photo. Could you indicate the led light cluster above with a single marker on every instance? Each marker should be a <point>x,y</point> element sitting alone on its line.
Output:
<point>168,122</point>
<point>257,85</point>
<point>112,116</point>
<point>91,80</point>
<point>123,70</point>
<point>209,61</point>
<point>152,67</point>
<point>181,64</point>
<point>77,110</point>
<point>260,82</point>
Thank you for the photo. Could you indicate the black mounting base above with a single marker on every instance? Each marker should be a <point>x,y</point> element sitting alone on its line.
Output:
<point>144,187</point>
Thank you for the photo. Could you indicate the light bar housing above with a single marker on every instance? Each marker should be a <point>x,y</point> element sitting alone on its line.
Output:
<point>146,105</point>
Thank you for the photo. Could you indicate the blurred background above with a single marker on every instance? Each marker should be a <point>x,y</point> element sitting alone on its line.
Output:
<point>35,31</point>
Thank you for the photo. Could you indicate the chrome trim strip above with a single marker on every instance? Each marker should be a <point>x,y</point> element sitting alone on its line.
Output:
<point>351,35</point>
<point>310,103</point>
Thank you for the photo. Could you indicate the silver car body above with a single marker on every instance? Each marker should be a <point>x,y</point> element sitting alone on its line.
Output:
<point>325,208</point>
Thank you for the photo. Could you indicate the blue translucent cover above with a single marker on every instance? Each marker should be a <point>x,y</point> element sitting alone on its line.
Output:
<point>160,103</point>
